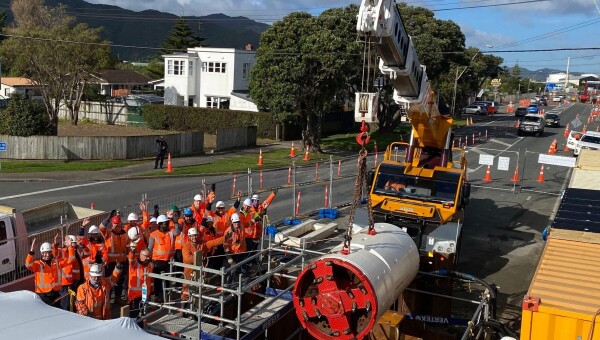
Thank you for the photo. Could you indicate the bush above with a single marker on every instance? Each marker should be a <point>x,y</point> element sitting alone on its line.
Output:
<point>24,117</point>
<point>185,118</point>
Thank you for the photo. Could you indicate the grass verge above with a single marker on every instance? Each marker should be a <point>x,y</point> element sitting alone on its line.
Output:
<point>18,166</point>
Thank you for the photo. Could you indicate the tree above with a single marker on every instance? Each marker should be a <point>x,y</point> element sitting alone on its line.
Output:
<point>23,117</point>
<point>55,55</point>
<point>180,38</point>
<point>302,64</point>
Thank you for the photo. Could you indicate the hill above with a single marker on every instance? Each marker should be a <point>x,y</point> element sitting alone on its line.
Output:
<point>542,74</point>
<point>150,28</point>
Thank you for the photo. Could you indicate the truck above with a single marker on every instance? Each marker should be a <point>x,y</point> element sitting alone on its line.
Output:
<point>18,228</point>
<point>584,95</point>
<point>562,300</point>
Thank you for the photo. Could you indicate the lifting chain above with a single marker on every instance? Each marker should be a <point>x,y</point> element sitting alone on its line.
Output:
<point>361,182</point>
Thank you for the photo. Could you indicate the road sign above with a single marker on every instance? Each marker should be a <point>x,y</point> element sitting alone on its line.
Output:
<point>557,160</point>
<point>2,146</point>
<point>503,163</point>
<point>496,82</point>
<point>486,159</point>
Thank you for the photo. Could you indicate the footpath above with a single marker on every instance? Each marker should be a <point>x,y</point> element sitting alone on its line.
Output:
<point>134,171</point>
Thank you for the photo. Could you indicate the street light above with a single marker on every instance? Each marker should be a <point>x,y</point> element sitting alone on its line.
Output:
<point>458,75</point>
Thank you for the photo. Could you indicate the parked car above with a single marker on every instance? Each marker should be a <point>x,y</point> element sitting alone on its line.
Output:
<point>533,108</point>
<point>556,99</point>
<point>589,140</point>
<point>573,139</point>
<point>492,107</point>
<point>552,119</point>
<point>533,124</point>
<point>520,111</point>
<point>543,101</point>
<point>474,110</point>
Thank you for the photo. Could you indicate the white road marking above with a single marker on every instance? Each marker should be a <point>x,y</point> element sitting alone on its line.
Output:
<point>528,198</point>
<point>52,190</point>
<point>499,142</point>
<point>476,150</point>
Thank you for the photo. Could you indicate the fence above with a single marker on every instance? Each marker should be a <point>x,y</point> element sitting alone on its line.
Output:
<point>89,148</point>
<point>106,112</point>
<point>228,138</point>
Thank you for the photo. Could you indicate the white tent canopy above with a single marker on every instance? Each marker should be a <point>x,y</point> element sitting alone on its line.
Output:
<point>23,315</point>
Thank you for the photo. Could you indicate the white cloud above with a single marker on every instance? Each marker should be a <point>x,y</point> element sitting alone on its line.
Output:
<point>479,39</point>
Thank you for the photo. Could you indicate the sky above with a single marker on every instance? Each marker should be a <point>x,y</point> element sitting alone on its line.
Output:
<point>518,26</point>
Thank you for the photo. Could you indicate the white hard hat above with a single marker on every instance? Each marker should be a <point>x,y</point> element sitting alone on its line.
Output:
<point>198,197</point>
<point>45,247</point>
<point>153,219</point>
<point>193,232</point>
<point>255,197</point>
<point>95,270</point>
<point>161,219</point>
<point>133,233</point>
<point>209,219</point>
<point>132,217</point>
<point>93,230</point>
<point>247,202</point>
<point>220,204</point>
<point>72,238</point>
<point>235,218</point>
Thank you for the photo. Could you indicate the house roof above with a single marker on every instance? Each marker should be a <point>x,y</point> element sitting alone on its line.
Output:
<point>16,81</point>
<point>243,94</point>
<point>122,77</point>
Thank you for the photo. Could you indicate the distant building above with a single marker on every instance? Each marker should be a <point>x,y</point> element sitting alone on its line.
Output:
<point>210,77</point>
<point>24,86</point>
<point>120,83</point>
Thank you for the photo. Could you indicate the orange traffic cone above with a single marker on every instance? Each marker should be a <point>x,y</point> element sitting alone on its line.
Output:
<point>292,151</point>
<point>260,159</point>
<point>306,155</point>
<point>584,129</point>
<point>488,174</point>
<point>515,178</point>
<point>541,176</point>
<point>566,133</point>
<point>551,149</point>
<point>169,165</point>
<point>566,148</point>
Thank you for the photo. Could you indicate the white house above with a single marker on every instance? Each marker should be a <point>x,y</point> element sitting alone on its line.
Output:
<point>210,77</point>
<point>24,86</point>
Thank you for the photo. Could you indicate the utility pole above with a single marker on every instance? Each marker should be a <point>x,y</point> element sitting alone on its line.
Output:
<point>567,79</point>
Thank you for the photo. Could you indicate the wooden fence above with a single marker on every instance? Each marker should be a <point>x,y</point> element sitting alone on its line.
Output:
<point>89,148</point>
<point>108,112</point>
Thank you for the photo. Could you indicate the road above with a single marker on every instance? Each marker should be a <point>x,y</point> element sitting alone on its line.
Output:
<point>503,222</point>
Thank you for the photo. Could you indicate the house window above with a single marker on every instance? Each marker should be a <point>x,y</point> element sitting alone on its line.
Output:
<point>176,67</point>
<point>191,68</point>
<point>217,102</point>
<point>246,71</point>
<point>3,235</point>
<point>213,67</point>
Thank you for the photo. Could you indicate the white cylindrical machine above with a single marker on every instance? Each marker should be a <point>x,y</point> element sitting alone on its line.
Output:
<point>341,296</point>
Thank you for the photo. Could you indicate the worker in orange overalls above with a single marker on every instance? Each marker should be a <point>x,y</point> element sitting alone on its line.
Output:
<point>93,297</point>
<point>235,246</point>
<point>48,271</point>
<point>162,248</point>
<point>139,266</point>
<point>189,222</point>
<point>71,273</point>
<point>116,244</point>
<point>250,223</point>
<point>261,208</point>
<point>198,208</point>
<point>209,233</point>
<point>195,244</point>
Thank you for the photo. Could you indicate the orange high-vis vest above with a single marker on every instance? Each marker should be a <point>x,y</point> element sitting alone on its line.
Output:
<point>70,272</point>
<point>94,248</point>
<point>199,213</point>
<point>182,238</point>
<point>117,247</point>
<point>95,302</point>
<point>248,224</point>
<point>137,278</point>
<point>237,243</point>
<point>163,248</point>
<point>222,223</point>
<point>48,277</point>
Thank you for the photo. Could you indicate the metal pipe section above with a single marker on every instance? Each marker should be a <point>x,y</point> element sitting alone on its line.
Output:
<point>411,147</point>
<point>342,296</point>
<point>447,148</point>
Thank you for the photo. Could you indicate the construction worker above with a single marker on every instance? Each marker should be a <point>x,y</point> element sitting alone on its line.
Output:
<point>235,247</point>
<point>189,222</point>
<point>71,273</point>
<point>174,215</point>
<point>95,250</point>
<point>198,208</point>
<point>162,248</point>
<point>137,241</point>
<point>248,220</point>
<point>221,216</point>
<point>261,208</point>
<point>139,266</point>
<point>116,243</point>
<point>93,297</point>
<point>113,218</point>
<point>209,233</point>
<point>394,184</point>
<point>195,244</point>
<point>48,271</point>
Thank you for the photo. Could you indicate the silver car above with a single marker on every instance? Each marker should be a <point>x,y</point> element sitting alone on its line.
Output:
<point>474,110</point>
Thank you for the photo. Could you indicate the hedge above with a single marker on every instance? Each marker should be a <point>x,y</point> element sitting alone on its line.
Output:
<point>186,118</point>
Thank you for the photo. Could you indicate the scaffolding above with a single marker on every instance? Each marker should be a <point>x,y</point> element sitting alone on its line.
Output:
<point>204,314</point>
